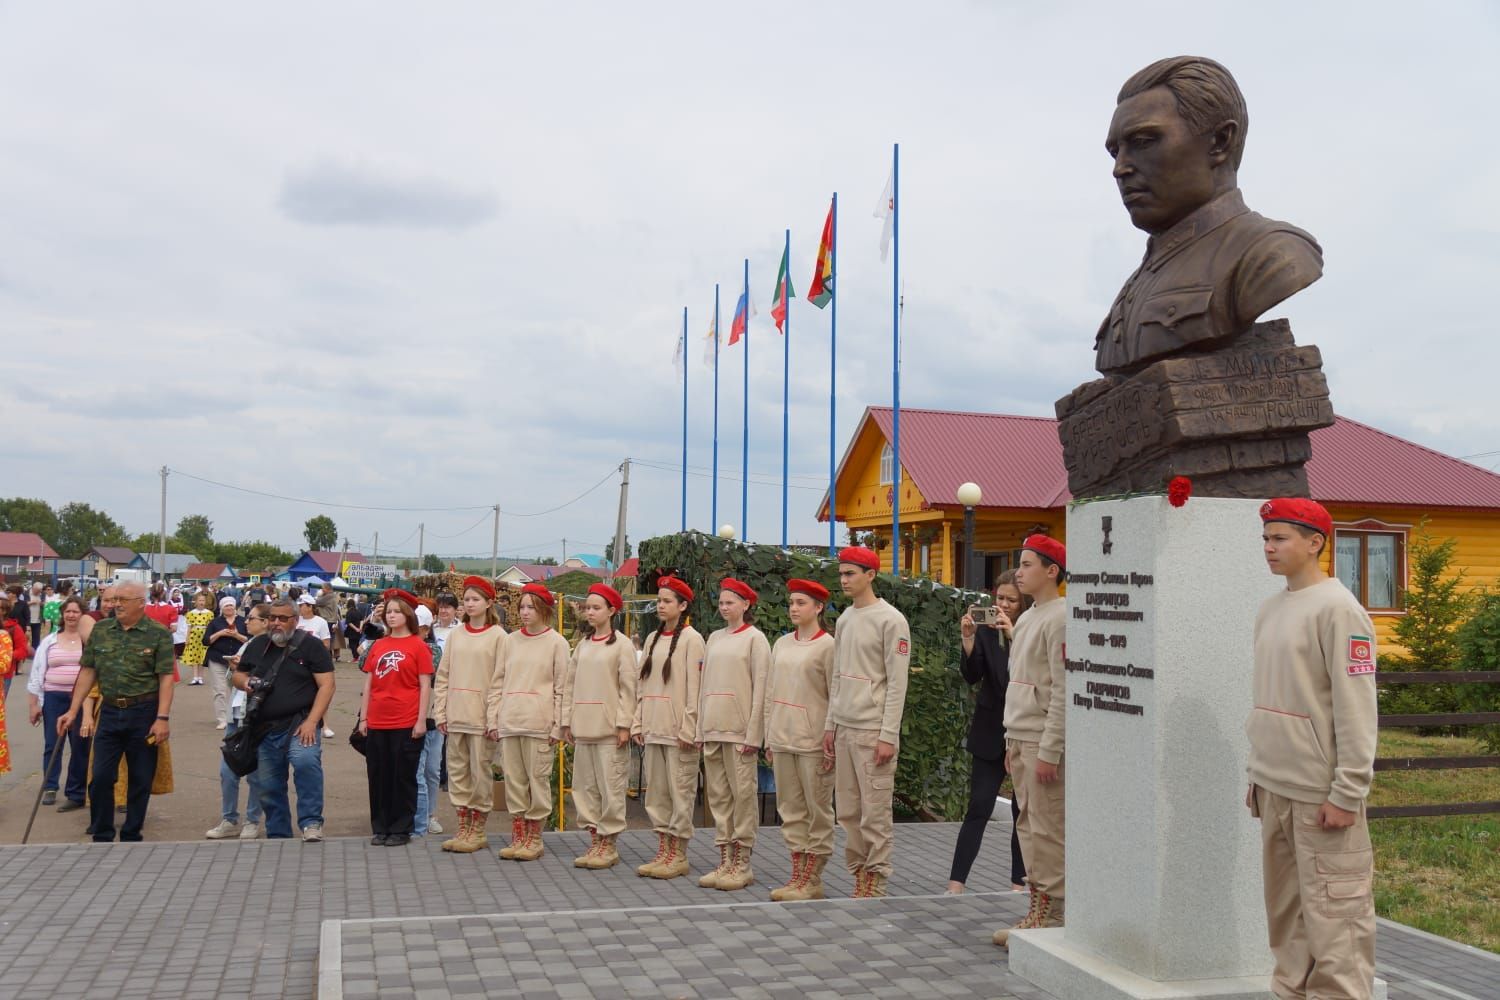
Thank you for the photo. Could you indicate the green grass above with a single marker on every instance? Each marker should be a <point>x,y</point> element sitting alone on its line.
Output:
<point>1438,873</point>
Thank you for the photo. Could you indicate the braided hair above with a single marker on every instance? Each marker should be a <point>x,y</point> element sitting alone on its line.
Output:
<point>666,668</point>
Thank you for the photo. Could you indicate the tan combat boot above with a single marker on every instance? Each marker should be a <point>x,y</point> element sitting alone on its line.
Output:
<point>462,833</point>
<point>798,860</point>
<point>711,880</point>
<point>648,870</point>
<point>607,857</point>
<point>740,873</point>
<point>1002,936</point>
<point>675,863</point>
<point>875,885</point>
<point>810,884</point>
<point>1050,913</point>
<point>476,839</point>
<point>517,838</point>
<point>531,846</point>
<point>860,875</point>
<point>584,860</point>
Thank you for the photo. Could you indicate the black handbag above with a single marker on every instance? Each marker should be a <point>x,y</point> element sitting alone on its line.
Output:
<point>241,749</point>
<point>358,739</point>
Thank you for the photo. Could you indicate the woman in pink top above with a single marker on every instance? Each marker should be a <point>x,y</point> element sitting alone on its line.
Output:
<point>50,685</point>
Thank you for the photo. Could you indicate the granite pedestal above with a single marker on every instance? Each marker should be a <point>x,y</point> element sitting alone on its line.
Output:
<point>1163,894</point>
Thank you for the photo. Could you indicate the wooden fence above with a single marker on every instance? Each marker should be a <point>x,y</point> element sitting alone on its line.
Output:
<point>1437,763</point>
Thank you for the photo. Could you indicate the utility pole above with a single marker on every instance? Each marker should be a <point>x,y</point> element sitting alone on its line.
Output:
<point>343,558</point>
<point>421,543</point>
<point>495,544</point>
<point>565,552</point>
<point>162,539</point>
<point>618,555</point>
<point>376,556</point>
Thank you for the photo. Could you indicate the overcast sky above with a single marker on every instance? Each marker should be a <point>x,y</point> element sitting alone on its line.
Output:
<point>437,256</point>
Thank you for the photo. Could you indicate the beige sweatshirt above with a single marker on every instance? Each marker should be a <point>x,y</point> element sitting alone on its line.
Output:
<point>797,699</point>
<point>599,696</point>
<point>1312,730</point>
<point>667,710</point>
<point>1036,700</point>
<point>466,690</point>
<point>871,656</point>
<point>732,700</point>
<point>531,681</point>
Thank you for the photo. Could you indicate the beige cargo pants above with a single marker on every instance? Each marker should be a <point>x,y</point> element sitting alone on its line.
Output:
<point>671,786</point>
<point>1041,821</point>
<point>527,763</point>
<point>864,793</point>
<point>470,784</point>
<point>599,770</point>
<point>730,785</point>
<point>1320,907</point>
<point>804,798</point>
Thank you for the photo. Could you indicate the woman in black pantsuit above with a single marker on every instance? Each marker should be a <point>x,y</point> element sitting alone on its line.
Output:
<point>986,662</point>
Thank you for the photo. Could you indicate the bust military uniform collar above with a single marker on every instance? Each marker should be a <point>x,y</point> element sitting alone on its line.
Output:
<point>1163,246</point>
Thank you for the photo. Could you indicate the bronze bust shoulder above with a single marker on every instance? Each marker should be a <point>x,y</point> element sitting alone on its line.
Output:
<point>1212,266</point>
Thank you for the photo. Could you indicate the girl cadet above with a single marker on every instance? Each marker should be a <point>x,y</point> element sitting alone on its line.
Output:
<point>731,709</point>
<point>528,719</point>
<point>666,725</point>
<point>396,697</point>
<point>598,710</point>
<point>796,714</point>
<point>465,693</point>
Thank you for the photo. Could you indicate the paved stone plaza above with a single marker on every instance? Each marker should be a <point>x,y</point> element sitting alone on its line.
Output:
<point>344,919</point>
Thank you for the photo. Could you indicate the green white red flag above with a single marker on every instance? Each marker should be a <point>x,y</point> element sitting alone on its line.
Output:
<point>783,294</point>
<point>820,291</point>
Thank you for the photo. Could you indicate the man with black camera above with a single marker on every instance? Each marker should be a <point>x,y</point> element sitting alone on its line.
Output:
<point>289,677</point>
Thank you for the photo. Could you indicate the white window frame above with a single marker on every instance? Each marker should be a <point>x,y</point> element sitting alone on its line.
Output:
<point>887,465</point>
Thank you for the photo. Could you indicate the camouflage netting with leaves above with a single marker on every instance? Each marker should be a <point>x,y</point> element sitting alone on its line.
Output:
<point>933,776</point>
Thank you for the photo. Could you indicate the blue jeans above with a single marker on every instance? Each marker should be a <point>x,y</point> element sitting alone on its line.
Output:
<point>229,789</point>
<point>122,733</point>
<point>55,706</point>
<point>277,752</point>
<point>429,767</point>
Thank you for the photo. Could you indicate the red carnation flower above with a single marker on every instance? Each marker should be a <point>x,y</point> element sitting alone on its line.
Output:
<point>1178,490</point>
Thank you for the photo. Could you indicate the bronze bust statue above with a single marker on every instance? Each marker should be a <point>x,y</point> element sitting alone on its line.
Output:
<point>1212,266</point>
<point>1194,384</point>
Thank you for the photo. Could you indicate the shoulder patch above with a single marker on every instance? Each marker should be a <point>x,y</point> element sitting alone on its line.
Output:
<point>1361,655</point>
<point>902,647</point>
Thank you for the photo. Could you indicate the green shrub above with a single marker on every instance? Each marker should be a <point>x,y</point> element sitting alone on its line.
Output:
<point>1478,642</point>
<point>1435,604</point>
<point>932,778</point>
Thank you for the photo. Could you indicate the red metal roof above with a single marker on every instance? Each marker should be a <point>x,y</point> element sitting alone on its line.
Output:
<point>25,543</point>
<point>1017,462</point>
<point>204,571</point>
<point>630,567</point>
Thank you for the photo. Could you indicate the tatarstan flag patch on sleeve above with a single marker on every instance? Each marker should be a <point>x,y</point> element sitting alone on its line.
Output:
<point>902,647</point>
<point>1361,654</point>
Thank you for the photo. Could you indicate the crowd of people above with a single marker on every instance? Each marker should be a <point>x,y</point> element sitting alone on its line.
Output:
<point>447,689</point>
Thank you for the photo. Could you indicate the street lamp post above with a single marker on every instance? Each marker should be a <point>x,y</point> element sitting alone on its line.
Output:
<point>969,496</point>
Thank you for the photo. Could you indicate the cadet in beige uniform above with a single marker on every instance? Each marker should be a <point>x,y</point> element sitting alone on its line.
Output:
<point>872,651</point>
<point>465,694</point>
<point>1312,755</point>
<point>731,709</point>
<point>597,712</point>
<point>1035,710</point>
<point>529,720</point>
<point>796,712</point>
<point>666,724</point>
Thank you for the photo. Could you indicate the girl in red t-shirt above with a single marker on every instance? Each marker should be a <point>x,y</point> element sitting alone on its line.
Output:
<point>395,705</point>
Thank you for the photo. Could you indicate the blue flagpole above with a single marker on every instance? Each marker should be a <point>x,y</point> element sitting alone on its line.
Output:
<point>833,370</point>
<point>896,358</point>
<point>786,372</point>
<point>745,445</point>
<point>684,414</point>
<point>714,513</point>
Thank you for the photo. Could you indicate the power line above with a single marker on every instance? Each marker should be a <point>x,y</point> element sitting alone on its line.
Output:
<point>483,518</point>
<point>726,477</point>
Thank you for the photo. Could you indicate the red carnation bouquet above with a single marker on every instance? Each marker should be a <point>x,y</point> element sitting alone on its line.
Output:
<point>1178,490</point>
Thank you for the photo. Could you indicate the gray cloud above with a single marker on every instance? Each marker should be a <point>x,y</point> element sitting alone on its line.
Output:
<point>329,193</point>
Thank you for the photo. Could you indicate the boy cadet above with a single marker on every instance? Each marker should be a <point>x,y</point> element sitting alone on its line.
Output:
<point>1035,707</point>
<point>1312,754</point>
<point>871,653</point>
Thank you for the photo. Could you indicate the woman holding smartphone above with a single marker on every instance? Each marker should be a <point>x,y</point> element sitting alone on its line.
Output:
<point>597,712</point>
<point>986,662</point>
<point>394,718</point>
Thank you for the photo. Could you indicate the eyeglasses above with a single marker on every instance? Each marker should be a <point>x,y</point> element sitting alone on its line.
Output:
<point>282,618</point>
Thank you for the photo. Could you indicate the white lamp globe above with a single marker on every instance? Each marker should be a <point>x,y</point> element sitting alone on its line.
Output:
<point>969,495</point>
<point>727,531</point>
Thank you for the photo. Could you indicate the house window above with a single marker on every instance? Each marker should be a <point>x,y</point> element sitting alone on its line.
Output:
<point>1372,564</point>
<point>887,466</point>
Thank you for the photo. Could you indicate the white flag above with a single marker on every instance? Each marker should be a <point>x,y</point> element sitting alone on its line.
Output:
<point>887,210</point>
<point>679,355</point>
<point>710,341</point>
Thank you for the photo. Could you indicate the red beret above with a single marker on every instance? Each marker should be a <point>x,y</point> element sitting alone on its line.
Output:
<point>1295,510</point>
<point>540,592</point>
<point>611,595</point>
<point>396,593</point>
<point>741,588</point>
<point>858,555</point>
<point>480,584</point>
<point>1046,545</point>
<point>811,588</point>
<point>676,586</point>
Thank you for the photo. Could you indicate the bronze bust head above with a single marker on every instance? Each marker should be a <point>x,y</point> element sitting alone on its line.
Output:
<point>1212,266</point>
